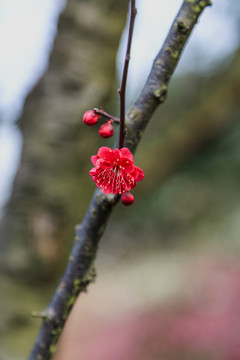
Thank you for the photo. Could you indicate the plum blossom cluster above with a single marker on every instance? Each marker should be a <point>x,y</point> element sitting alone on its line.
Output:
<point>114,170</point>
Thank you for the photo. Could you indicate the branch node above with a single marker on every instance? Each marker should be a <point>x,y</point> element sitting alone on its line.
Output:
<point>203,3</point>
<point>181,27</point>
<point>40,314</point>
<point>161,93</point>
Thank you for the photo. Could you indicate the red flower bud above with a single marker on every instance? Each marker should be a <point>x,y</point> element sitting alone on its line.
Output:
<point>90,117</point>
<point>127,199</point>
<point>106,130</point>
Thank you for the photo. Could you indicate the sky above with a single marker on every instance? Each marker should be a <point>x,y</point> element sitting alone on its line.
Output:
<point>27,32</point>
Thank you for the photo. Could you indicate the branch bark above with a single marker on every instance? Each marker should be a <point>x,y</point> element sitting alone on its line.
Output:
<point>80,268</point>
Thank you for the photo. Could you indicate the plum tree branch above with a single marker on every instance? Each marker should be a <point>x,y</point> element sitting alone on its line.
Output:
<point>80,268</point>
<point>122,90</point>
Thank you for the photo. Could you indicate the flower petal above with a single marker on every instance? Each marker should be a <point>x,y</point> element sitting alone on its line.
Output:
<point>106,190</point>
<point>117,155</point>
<point>125,152</point>
<point>127,165</point>
<point>106,153</point>
<point>140,174</point>
<point>94,159</point>
<point>137,174</point>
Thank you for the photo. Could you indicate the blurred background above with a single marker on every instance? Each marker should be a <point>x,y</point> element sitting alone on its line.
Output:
<point>168,274</point>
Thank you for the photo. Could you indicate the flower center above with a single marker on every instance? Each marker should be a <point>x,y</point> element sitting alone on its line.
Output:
<point>116,169</point>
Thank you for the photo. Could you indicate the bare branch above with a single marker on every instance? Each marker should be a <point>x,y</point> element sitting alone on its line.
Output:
<point>122,90</point>
<point>107,115</point>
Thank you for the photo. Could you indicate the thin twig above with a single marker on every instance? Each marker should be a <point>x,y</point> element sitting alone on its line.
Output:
<point>122,90</point>
<point>79,272</point>
<point>107,115</point>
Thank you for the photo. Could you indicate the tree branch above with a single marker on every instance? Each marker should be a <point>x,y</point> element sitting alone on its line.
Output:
<point>155,90</point>
<point>122,90</point>
<point>80,268</point>
<point>107,115</point>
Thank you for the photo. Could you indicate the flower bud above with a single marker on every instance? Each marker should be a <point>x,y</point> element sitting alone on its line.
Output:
<point>127,199</point>
<point>106,130</point>
<point>90,117</point>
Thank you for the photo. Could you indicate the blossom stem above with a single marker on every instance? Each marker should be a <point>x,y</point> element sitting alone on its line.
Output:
<point>122,90</point>
<point>107,115</point>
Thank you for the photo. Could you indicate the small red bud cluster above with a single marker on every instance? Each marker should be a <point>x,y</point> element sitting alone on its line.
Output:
<point>90,118</point>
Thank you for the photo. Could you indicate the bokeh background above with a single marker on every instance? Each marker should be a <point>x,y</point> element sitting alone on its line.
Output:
<point>168,274</point>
